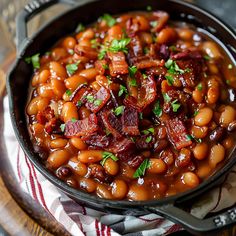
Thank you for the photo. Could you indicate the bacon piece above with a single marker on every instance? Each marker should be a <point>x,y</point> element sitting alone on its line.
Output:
<point>112,124</point>
<point>79,94</point>
<point>100,65</point>
<point>143,142</point>
<point>148,63</point>
<point>177,133</point>
<point>118,64</point>
<point>83,127</point>
<point>85,51</point>
<point>146,94</point>
<point>44,116</point>
<point>100,99</point>
<point>187,54</point>
<point>129,121</point>
<point>136,161</point>
<point>193,70</point>
<point>97,140</point>
<point>123,148</point>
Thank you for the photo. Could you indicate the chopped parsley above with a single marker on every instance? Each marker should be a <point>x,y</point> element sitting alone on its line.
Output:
<point>199,87</point>
<point>110,21</point>
<point>94,43</point>
<point>97,102</point>
<point>173,48</point>
<point>71,51</point>
<point>79,103</point>
<point>62,127</point>
<point>133,83</point>
<point>149,8</point>
<point>79,28</point>
<point>206,57</point>
<point>68,92</point>
<point>157,109</point>
<point>230,66</point>
<point>189,137</point>
<point>119,45</point>
<point>102,53</point>
<point>146,50</point>
<point>107,155</point>
<point>90,98</point>
<point>119,110</point>
<point>72,68</point>
<point>123,90</point>
<point>166,97</point>
<point>170,79</point>
<point>148,139</point>
<point>105,66</point>
<point>195,113</point>
<point>142,168</point>
<point>73,120</point>
<point>175,105</point>
<point>154,23</point>
<point>148,131</point>
<point>35,60</point>
<point>173,67</point>
<point>140,115</point>
<point>132,71</point>
<point>144,76</point>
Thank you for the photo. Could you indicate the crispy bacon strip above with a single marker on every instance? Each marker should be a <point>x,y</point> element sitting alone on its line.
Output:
<point>100,65</point>
<point>100,99</point>
<point>118,64</point>
<point>112,124</point>
<point>79,94</point>
<point>146,94</point>
<point>83,127</point>
<point>177,133</point>
<point>129,121</point>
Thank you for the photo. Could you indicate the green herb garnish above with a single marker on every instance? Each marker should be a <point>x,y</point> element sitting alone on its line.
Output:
<point>175,105</point>
<point>146,50</point>
<point>123,90</point>
<point>79,103</point>
<point>79,28</point>
<point>228,82</point>
<point>62,127</point>
<point>73,120</point>
<point>105,66</point>
<point>170,79</point>
<point>90,98</point>
<point>106,155</point>
<point>119,45</point>
<point>110,21</point>
<point>148,131</point>
<point>97,102</point>
<point>154,23</point>
<point>72,68</point>
<point>35,60</point>
<point>140,115</point>
<point>166,97</point>
<point>149,8</point>
<point>132,71</point>
<point>142,169</point>
<point>157,109</point>
<point>206,57</point>
<point>119,110</point>
<point>94,43</point>
<point>195,113</point>
<point>133,83</point>
<point>199,87</point>
<point>71,51</point>
<point>68,92</point>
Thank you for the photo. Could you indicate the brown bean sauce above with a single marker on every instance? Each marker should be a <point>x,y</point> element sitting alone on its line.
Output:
<point>133,107</point>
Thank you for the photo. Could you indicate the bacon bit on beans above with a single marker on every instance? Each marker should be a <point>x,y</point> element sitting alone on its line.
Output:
<point>83,127</point>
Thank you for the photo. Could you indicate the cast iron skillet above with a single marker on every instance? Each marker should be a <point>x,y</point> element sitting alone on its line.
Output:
<point>87,12</point>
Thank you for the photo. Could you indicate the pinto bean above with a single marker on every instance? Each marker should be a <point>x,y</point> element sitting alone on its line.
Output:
<point>157,166</point>
<point>217,155</point>
<point>58,158</point>
<point>119,189</point>
<point>138,193</point>
<point>200,151</point>
<point>190,179</point>
<point>203,117</point>
<point>227,116</point>
<point>166,35</point>
<point>90,156</point>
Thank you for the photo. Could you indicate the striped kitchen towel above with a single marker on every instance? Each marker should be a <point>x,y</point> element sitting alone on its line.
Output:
<point>79,220</point>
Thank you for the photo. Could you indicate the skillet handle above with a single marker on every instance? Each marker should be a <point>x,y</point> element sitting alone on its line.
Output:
<point>193,224</point>
<point>30,10</point>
